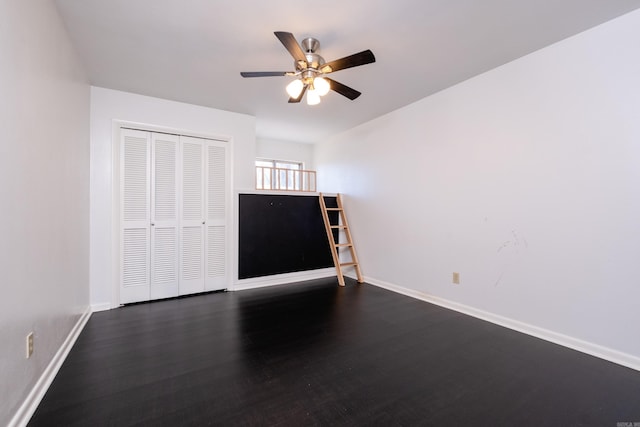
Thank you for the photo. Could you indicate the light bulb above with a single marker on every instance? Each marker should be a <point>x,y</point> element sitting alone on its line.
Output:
<point>312,97</point>
<point>294,89</point>
<point>321,85</point>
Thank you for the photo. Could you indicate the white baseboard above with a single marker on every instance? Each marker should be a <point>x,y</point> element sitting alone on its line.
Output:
<point>281,279</point>
<point>620,358</point>
<point>100,307</point>
<point>29,406</point>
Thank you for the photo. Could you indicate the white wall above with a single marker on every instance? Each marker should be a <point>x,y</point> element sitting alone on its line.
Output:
<point>44,188</point>
<point>525,179</point>
<point>284,150</point>
<point>108,106</point>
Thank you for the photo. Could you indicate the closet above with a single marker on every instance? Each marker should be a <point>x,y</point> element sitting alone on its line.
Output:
<point>173,215</point>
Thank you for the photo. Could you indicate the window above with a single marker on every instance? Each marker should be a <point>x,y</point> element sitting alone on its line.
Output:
<point>283,175</point>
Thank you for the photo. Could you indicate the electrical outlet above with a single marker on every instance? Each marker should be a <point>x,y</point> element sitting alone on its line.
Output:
<point>29,344</point>
<point>456,278</point>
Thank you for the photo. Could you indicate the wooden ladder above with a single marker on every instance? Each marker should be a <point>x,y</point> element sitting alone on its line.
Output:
<point>343,226</point>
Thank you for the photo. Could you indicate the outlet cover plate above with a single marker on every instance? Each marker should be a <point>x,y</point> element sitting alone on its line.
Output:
<point>29,344</point>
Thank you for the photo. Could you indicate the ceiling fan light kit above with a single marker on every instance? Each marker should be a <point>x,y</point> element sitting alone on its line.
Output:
<point>294,89</point>
<point>310,69</point>
<point>321,86</point>
<point>313,97</point>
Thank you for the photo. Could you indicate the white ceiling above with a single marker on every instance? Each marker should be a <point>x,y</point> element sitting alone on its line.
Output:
<point>193,50</point>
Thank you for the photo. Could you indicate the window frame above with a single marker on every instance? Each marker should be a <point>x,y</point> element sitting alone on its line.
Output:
<point>275,181</point>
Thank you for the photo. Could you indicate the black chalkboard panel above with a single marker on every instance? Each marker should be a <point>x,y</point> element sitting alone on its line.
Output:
<point>281,234</point>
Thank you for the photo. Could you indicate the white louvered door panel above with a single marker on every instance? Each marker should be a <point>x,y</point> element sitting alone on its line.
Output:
<point>164,215</point>
<point>216,216</point>
<point>134,215</point>
<point>192,220</point>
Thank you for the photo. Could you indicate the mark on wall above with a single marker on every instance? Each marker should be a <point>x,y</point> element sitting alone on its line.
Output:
<point>515,242</point>
<point>513,246</point>
<point>499,279</point>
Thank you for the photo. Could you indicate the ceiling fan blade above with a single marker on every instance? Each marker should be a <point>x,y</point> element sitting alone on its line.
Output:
<point>360,58</point>
<point>290,42</point>
<point>263,73</point>
<point>299,98</point>
<point>343,90</point>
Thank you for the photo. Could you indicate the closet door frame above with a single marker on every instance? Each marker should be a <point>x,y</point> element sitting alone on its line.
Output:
<point>117,125</point>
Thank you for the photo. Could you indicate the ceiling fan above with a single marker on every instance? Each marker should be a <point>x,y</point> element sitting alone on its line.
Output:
<point>310,70</point>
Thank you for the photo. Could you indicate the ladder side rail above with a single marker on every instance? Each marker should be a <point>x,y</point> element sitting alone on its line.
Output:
<point>354,257</point>
<point>332,243</point>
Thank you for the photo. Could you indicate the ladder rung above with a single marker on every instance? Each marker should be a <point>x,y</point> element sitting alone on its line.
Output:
<point>348,264</point>
<point>334,209</point>
<point>338,226</point>
<point>343,245</point>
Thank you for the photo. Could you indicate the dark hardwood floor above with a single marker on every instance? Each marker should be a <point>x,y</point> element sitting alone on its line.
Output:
<point>316,354</point>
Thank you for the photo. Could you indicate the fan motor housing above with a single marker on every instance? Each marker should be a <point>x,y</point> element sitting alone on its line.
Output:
<point>314,60</point>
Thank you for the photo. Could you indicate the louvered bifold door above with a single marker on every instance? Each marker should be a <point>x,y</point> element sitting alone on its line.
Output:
<point>192,219</point>
<point>134,215</point>
<point>216,216</point>
<point>164,215</point>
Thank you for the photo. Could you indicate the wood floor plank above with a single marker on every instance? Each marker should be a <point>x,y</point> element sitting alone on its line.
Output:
<point>314,353</point>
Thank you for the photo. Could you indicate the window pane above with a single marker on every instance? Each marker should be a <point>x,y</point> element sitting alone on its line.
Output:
<point>289,165</point>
